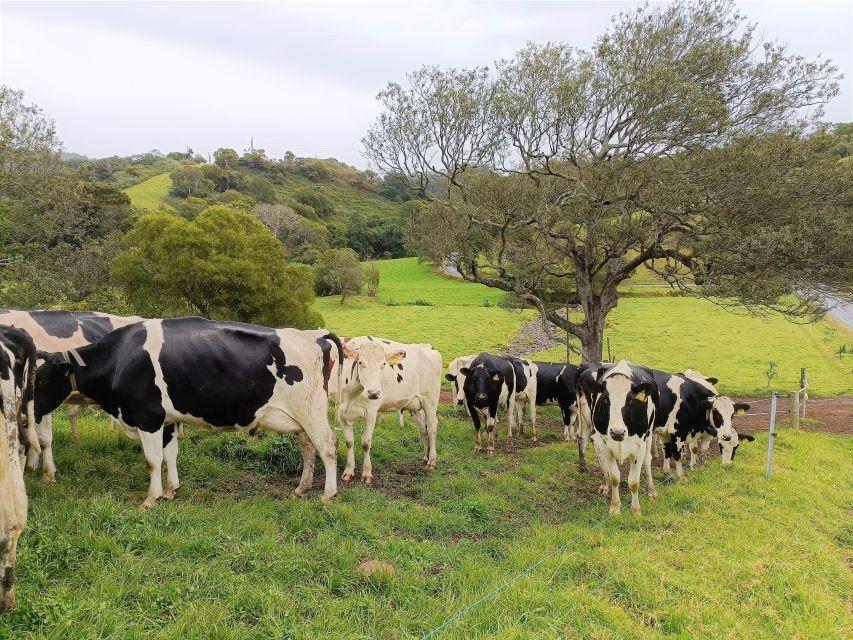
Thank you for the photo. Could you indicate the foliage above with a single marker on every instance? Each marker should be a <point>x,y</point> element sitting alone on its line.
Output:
<point>316,199</point>
<point>262,190</point>
<point>338,272</point>
<point>371,277</point>
<point>190,181</point>
<point>222,265</point>
<point>303,240</point>
<point>565,170</point>
<point>225,157</point>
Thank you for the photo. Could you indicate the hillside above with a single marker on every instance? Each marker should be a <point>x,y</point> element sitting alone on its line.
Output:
<point>151,193</point>
<point>417,304</point>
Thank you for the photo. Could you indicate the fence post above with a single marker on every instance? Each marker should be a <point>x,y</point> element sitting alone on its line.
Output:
<point>804,385</point>
<point>772,434</point>
<point>795,410</point>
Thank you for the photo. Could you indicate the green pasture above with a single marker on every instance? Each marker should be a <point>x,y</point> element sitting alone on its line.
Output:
<point>724,554</point>
<point>150,193</point>
<point>668,332</point>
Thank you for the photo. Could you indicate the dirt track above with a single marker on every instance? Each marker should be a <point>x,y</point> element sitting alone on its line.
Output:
<point>834,415</point>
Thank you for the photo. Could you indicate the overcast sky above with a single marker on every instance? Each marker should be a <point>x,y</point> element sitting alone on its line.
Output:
<point>125,77</point>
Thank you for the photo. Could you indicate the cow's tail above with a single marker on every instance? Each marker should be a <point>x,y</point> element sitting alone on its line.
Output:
<point>337,341</point>
<point>28,395</point>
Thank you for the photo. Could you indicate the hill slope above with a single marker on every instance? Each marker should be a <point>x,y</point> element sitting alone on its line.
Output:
<point>150,193</point>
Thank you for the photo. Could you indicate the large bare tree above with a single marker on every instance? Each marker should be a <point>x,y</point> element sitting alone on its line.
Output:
<point>680,141</point>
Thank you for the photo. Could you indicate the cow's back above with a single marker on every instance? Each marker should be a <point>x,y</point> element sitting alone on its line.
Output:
<point>54,331</point>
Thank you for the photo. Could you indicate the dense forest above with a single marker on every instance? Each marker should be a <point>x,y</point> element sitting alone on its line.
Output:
<point>72,238</point>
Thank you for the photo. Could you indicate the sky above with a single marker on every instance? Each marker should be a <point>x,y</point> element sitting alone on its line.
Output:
<point>126,77</point>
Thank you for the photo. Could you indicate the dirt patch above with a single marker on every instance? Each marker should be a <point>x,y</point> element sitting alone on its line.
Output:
<point>833,415</point>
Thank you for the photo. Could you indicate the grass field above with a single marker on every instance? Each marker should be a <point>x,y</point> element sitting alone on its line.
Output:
<point>149,194</point>
<point>670,333</point>
<point>725,554</point>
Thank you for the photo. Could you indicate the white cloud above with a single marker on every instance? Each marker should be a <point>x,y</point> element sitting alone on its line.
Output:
<point>124,77</point>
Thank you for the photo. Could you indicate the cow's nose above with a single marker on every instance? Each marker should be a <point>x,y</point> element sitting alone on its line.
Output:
<point>727,438</point>
<point>460,402</point>
<point>482,396</point>
<point>373,394</point>
<point>617,434</point>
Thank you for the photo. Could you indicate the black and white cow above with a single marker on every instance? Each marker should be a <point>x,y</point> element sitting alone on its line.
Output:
<point>526,375</point>
<point>489,384</point>
<point>223,375</point>
<point>17,366</point>
<point>457,379</point>
<point>721,412</point>
<point>382,376</point>
<point>619,402</point>
<point>54,331</point>
<point>556,385</point>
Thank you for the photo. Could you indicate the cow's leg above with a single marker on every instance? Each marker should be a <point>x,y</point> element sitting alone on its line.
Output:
<point>431,419</point>
<point>366,444</point>
<point>420,422</point>
<point>510,418</point>
<point>584,432</point>
<point>73,410</point>
<point>152,447</point>
<point>532,404</point>
<point>650,481</point>
<point>567,422</point>
<point>170,455</point>
<point>349,438</point>
<point>475,418</point>
<point>45,435</point>
<point>634,473</point>
<point>309,456</point>
<point>678,449</point>
<point>694,453</point>
<point>491,425</point>
<point>615,477</point>
<point>601,456</point>
<point>519,416</point>
<point>668,455</point>
<point>7,580</point>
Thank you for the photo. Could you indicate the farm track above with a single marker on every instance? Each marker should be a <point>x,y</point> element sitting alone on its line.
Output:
<point>834,415</point>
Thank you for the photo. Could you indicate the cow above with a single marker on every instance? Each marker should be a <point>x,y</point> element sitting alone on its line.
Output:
<point>222,375</point>
<point>458,379</point>
<point>489,384</point>
<point>526,375</point>
<point>17,364</point>
<point>618,407</point>
<point>54,331</point>
<point>21,354</point>
<point>382,376</point>
<point>720,412</point>
<point>555,385</point>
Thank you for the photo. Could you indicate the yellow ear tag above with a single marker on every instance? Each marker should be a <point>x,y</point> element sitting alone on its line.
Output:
<point>740,412</point>
<point>641,396</point>
<point>496,377</point>
<point>393,361</point>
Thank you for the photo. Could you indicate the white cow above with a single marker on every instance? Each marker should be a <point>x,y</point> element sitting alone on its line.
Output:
<point>457,378</point>
<point>526,372</point>
<point>381,376</point>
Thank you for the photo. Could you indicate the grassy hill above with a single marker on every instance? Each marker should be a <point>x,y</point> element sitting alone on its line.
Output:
<point>669,333</point>
<point>150,193</point>
<point>725,554</point>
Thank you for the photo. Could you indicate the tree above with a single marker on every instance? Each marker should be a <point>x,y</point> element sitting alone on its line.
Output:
<point>225,158</point>
<point>669,144</point>
<point>317,200</point>
<point>189,181</point>
<point>223,265</point>
<point>303,240</point>
<point>338,272</point>
<point>371,274</point>
<point>262,190</point>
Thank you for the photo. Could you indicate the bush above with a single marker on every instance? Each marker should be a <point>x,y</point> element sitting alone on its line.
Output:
<point>338,272</point>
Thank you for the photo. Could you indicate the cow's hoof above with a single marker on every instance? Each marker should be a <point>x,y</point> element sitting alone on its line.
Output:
<point>148,504</point>
<point>299,492</point>
<point>682,478</point>
<point>327,497</point>
<point>602,489</point>
<point>477,448</point>
<point>535,440</point>
<point>653,495</point>
<point>346,476</point>
<point>169,494</point>
<point>367,479</point>
<point>615,509</point>
<point>509,441</point>
<point>49,478</point>
<point>582,467</point>
<point>635,510</point>
<point>431,465</point>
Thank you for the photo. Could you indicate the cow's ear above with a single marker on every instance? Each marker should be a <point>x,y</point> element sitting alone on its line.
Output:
<point>349,352</point>
<point>465,371</point>
<point>395,358</point>
<point>712,380</point>
<point>450,377</point>
<point>711,431</point>
<point>745,436</point>
<point>42,355</point>
<point>741,408</point>
<point>642,391</point>
<point>497,376</point>
<point>600,373</point>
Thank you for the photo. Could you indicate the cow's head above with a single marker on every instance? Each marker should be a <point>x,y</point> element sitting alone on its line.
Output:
<point>482,383</point>
<point>53,383</point>
<point>621,406</point>
<point>456,376</point>
<point>721,411</point>
<point>369,361</point>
